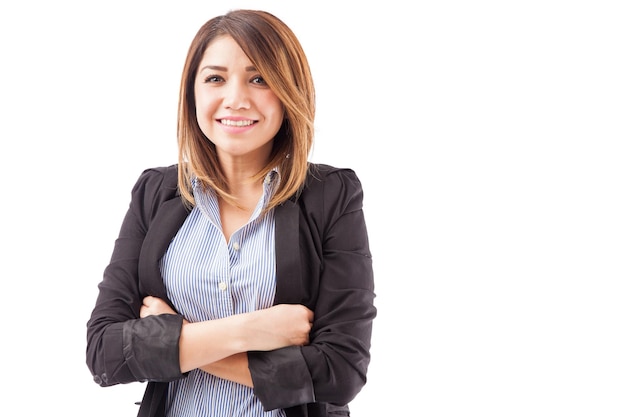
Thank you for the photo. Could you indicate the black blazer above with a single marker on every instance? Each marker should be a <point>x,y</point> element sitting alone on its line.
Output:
<point>322,261</point>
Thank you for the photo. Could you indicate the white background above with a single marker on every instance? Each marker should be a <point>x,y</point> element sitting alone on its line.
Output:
<point>489,137</point>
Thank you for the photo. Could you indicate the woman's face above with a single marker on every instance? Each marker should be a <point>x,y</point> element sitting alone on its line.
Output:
<point>235,109</point>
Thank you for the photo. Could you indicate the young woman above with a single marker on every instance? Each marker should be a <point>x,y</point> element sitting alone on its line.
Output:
<point>241,283</point>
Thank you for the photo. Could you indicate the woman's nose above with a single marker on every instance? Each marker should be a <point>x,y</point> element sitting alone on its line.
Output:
<point>236,96</point>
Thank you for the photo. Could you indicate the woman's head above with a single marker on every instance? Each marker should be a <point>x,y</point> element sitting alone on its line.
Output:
<point>277,55</point>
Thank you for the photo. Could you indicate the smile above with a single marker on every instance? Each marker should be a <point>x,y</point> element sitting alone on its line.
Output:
<point>236,123</point>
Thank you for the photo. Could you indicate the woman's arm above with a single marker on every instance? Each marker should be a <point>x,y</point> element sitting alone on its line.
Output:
<point>120,346</point>
<point>219,346</point>
<point>337,279</point>
<point>233,368</point>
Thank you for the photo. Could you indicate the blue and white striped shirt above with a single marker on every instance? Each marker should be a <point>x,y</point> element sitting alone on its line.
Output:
<point>206,279</point>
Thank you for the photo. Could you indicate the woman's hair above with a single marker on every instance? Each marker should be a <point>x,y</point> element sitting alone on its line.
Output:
<point>276,53</point>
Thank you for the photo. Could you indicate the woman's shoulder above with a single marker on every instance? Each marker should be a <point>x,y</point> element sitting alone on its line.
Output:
<point>324,175</point>
<point>160,182</point>
<point>167,173</point>
<point>332,186</point>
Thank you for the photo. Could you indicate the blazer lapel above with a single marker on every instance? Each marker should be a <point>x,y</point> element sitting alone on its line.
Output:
<point>169,218</point>
<point>288,272</point>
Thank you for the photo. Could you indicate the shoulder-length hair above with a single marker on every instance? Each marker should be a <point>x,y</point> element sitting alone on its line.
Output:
<point>277,54</point>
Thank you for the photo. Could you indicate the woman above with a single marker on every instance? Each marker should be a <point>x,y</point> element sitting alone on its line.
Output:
<point>241,283</point>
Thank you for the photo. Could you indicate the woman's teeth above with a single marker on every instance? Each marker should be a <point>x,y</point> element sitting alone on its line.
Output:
<point>237,123</point>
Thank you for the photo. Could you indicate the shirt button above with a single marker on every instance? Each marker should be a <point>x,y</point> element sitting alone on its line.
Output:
<point>222,286</point>
<point>236,246</point>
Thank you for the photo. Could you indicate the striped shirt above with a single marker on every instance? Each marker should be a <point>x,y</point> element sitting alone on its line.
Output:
<point>207,279</point>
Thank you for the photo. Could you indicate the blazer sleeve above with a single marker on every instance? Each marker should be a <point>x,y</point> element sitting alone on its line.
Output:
<point>122,348</point>
<point>338,285</point>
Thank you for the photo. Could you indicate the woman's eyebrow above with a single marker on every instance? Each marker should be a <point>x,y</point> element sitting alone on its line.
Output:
<point>250,68</point>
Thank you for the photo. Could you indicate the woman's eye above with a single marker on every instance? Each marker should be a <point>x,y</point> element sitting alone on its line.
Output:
<point>213,79</point>
<point>259,80</point>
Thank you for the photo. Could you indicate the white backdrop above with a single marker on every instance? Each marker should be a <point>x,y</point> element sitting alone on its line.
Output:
<point>489,137</point>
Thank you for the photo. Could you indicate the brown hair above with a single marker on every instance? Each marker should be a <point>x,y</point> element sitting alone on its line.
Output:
<point>274,50</point>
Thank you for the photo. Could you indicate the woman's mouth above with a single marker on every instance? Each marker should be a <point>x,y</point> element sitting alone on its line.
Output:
<point>236,123</point>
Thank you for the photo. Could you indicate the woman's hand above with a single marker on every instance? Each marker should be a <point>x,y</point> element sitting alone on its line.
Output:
<point>153,306</point>
<point>278,326</point>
